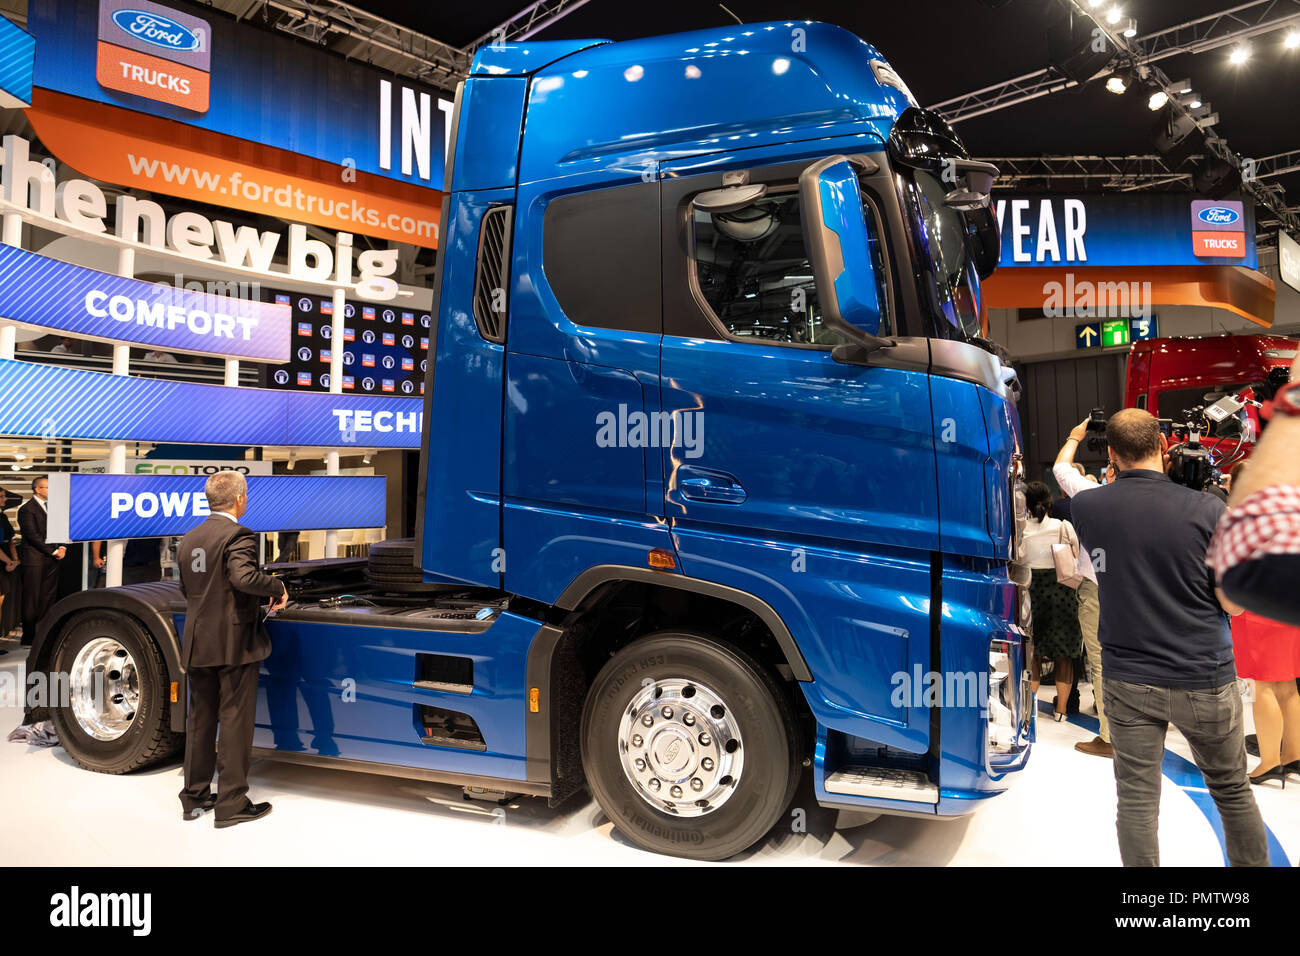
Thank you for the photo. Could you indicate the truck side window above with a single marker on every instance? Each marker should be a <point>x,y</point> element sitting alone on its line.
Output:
<point>600,253</point>
<point>752,270</point>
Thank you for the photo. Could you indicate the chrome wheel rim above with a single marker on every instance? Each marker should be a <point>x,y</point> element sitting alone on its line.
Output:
<point>680,747</point>
<point>104,687</point>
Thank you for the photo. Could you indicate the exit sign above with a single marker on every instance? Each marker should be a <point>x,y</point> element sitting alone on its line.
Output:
<point>1114,333</point>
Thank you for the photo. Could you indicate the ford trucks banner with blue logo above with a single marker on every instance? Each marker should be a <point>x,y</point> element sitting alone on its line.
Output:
<point>202,67</point>
<point>104,507</point>
<point>55,295</point>
<point>51,402</point>
<point>155,52</point>
<point>1158,229</point>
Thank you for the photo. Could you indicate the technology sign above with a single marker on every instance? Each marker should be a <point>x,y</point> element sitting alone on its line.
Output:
<point>54,402</point>
<point>36,290</point>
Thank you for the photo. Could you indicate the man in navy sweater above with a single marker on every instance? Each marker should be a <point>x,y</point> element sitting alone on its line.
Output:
<point>1165,643</point>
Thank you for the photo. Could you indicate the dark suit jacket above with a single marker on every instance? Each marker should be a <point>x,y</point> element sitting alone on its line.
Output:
<point>224,590</point>
<point>32,525</point>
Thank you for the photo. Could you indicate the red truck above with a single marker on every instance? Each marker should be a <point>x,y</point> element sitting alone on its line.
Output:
<point>1169,376</point>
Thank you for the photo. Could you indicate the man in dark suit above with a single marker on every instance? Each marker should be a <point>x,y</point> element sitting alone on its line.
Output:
<point>39,559</point>
<point>223,642</point>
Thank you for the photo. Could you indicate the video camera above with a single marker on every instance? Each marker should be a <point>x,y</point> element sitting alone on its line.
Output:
<point>1191,463</point>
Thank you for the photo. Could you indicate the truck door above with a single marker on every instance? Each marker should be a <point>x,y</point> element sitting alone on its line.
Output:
<point>808,482</point>
<point>582,384</point>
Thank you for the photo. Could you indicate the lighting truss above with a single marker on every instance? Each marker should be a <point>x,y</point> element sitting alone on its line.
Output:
<point>529,21</point>
<point>1195,36</point>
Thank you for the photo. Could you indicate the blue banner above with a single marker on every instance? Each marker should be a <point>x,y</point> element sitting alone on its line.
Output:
<point>17,56</point>
<point>1125,229</point>
<point>103,507</point>
<point>53,402</point>
<point>85,302</point>
<point>262,87</point>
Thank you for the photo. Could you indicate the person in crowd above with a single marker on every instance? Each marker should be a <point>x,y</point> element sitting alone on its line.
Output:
<point>1256,548</point>
<point>8,560</point>
<point>98,563</point>
<point>65,346</point>
<point>157,355</point>
<point>1073,480</point>
<point>1268,652</point>
<point>223,641</point>
<point>1165,642</point>
<point>39,559</point>
<point>1232,474</point>
<point>1055,606</point>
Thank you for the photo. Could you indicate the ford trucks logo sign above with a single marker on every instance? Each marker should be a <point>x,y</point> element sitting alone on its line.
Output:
<point>156,29</point>
<point>1218,216</point>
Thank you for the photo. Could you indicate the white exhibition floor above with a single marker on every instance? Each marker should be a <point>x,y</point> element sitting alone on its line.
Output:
<point>1059,813</point>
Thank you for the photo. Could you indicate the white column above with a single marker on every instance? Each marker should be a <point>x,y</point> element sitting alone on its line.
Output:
<point>336,388</point>
<point>12,236</point>
<point>117,449</point>
<point>232,373</point>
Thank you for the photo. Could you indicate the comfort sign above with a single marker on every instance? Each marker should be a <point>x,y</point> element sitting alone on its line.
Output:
<point>153,51</point>
<point>55,295</point>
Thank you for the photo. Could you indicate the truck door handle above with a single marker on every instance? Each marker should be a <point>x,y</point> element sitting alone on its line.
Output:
<point>700,484</point>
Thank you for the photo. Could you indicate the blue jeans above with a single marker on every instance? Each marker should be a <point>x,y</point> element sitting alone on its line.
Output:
<point>1211,720</point>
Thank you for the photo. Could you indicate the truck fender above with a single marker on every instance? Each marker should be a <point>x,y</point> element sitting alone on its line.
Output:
<point>150,604</point>
<point>594,577</point>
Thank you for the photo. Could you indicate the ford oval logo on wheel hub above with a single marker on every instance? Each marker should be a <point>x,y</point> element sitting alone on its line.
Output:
<point>156,29</point>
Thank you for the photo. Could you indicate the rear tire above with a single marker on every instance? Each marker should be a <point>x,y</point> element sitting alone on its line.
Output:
<point>129,726</point>
<point>710,779</point>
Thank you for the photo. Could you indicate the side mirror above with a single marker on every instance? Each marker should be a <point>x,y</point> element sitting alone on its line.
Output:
<point>835,233</point>
<point>985,244</point>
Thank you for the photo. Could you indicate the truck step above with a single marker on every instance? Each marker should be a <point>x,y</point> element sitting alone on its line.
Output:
<point>883,783</point>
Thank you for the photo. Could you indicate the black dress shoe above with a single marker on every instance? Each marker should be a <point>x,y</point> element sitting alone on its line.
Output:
<point>197,812</point>
<point>251,811</point>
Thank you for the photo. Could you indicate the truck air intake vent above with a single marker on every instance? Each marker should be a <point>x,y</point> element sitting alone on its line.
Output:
<point>490,283</point>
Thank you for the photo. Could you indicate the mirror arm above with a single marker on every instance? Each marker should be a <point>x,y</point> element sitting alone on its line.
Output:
<point>859,352</point>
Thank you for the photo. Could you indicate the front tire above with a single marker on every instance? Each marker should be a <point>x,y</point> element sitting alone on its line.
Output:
<point>690,746</point>
<point>114,716</point>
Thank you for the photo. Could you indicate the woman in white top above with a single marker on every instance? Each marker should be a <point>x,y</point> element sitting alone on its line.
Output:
<point>1055,607</point>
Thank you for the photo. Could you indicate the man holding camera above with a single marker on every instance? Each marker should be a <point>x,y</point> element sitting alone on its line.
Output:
<point>1166,645</point>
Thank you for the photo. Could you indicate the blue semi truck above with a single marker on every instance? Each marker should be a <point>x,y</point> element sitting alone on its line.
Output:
<point>718,475</point>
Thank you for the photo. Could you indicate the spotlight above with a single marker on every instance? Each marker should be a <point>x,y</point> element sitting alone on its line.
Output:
<point>1117,84</point>
<point>1292,40</point>
<point>1157,100</point>
<point>293,456</point>
<point>1240,55</point>
<point>1114,15</point>
<point>365,459</point>
<point>1181,86</point>
<point>21,455</point>
<point>1130,27</point>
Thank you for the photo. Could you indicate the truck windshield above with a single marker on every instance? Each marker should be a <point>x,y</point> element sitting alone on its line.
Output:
<point>947,282</point>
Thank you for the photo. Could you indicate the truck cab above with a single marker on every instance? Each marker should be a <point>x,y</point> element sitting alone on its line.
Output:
<point>718,478</point>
